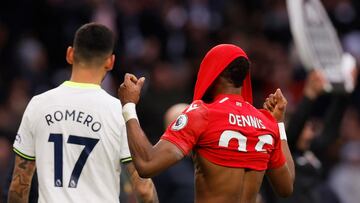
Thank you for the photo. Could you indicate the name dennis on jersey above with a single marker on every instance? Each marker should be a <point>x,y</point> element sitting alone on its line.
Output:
<point>76,116</point>
<point>244,121</point>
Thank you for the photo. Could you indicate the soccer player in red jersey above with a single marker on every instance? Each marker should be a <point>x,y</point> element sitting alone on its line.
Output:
<point>233,144</point>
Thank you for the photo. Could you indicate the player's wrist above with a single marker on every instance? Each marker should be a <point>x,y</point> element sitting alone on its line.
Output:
<point>129,111</point>
<point>280,117</point>
<point>282,131</point>
<point>126,101</point>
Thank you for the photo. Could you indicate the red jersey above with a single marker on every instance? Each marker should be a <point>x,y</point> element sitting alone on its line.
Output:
<point>228,132</point>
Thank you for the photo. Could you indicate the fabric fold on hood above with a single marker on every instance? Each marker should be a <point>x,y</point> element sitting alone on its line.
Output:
<point>214,63</point>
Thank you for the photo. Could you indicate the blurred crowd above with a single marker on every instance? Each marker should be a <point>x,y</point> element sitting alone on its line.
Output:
<point>165,40</point>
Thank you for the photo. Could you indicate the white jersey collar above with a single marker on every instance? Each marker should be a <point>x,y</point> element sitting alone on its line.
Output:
<point>81,85</point>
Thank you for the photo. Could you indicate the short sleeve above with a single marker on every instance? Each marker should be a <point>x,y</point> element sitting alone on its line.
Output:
<point>24,144</point>
<point>125,155</point>
<point>277,158</point>
<point>185,131</point>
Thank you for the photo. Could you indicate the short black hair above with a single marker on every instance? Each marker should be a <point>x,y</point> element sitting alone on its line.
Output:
<point>236,71</point>
<point>93,42</point>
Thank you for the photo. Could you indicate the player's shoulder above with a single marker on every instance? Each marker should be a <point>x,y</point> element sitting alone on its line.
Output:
<point>264,115</point>
<point>262,112</point>
<point>194,116</point>
<point>269,119</point>
<point>196,107</point>
<point>268,115</point>
<point>42,98</point>
<point>54,92</point>
<point>109,99</point>
<point>110,105</point>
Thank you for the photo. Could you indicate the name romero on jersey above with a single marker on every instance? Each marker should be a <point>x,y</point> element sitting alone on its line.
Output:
<point>75,116</point>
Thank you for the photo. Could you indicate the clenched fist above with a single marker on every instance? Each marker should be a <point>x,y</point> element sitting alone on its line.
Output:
<point>129,91</point>
<point>276,105</point>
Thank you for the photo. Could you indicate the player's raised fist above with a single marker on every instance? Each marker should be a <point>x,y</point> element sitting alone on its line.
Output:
<point>276,105</point>
<point>129,91</point>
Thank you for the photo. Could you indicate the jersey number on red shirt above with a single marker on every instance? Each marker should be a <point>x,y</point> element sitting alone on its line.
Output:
<point>227,135</point>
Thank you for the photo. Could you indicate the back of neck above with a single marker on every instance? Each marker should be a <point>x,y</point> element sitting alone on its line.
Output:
<point>86,75</point>
<point>228,90</point>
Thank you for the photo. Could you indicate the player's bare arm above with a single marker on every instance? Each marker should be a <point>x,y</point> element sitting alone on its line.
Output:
<point>282,179</point>
<point>21,180</point>
<point>143,187</point>
<point>149,160</point>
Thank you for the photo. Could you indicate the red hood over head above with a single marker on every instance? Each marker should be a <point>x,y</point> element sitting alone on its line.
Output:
<point>215,61</point>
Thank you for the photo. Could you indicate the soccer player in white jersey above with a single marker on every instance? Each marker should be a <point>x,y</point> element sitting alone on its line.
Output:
<point>75,134</point>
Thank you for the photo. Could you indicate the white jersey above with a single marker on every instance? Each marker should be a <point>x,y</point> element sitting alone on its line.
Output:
<point>77,135</point>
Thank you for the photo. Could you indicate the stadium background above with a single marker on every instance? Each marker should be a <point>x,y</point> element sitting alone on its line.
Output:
<point>165,42</point>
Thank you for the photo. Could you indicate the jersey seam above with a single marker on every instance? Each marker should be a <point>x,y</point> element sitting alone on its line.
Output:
<point>207,123</point>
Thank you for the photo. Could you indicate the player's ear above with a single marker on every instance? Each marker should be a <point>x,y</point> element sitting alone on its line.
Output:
<point>70,55</point>
<point>110,62</point>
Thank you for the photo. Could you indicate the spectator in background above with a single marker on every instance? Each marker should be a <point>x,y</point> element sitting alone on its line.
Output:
<point>345,177</point>
<point>310,146</point>
<point>165,88</point>
<point>176,184</point>
<point>301,135</point>
<point>5,151</point>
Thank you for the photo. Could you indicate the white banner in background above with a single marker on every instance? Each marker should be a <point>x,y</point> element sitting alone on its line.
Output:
<point>315,38</point>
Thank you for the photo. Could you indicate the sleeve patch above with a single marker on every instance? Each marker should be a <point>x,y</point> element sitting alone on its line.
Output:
<point>180,122</point>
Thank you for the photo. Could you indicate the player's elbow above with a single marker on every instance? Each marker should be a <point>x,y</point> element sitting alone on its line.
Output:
<point>145,171</point>
<point>145,174</point>
<point>287,189</point>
